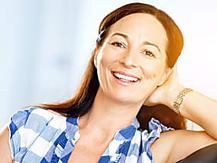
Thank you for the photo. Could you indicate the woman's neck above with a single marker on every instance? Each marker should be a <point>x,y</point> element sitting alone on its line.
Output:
<point>107,115</point>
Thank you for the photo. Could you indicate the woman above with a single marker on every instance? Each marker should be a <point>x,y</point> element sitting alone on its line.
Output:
<point>132,67</point>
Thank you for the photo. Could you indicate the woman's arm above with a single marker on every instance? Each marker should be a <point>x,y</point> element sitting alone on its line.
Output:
<point>195,106</point>
<point>5,154</point>
<point>199,109</point>
<point>176,145</point>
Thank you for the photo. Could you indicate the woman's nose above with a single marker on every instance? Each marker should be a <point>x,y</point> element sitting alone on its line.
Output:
<point>128,59</point>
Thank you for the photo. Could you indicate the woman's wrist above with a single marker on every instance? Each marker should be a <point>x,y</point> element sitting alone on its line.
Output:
<point>175,97</point>
<point>178,102</point>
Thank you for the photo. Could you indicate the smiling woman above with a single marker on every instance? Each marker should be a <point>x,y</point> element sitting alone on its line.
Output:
<point>130,104</point>
<point>128,63</point>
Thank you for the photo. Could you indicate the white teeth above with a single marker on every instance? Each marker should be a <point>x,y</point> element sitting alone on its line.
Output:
<point>128,78</point>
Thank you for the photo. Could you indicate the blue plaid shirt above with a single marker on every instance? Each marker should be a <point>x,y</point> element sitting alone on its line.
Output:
<point>40,136</point>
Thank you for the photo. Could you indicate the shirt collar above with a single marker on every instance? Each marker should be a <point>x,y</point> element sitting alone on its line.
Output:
<point>128,132</point>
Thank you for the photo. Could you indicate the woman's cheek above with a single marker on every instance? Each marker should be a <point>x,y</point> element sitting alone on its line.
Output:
<point>150,72</point>
<point>109,56</point>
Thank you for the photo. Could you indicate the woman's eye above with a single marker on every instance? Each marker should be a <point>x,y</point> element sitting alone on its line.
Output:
<point>118,44</point>
<point>149,53</point>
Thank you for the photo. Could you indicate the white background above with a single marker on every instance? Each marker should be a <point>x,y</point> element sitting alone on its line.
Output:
<point>45,45</point>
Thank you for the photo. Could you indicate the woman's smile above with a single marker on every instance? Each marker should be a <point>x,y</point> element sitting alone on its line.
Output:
<point>125,78</point>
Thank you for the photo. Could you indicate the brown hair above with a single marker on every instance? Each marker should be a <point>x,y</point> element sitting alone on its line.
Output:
<point>81,103</point>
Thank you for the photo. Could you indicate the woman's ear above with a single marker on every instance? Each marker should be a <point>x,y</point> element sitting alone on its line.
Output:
<point>95,61</point>
<point>95,53</point>
<point>165,76</point>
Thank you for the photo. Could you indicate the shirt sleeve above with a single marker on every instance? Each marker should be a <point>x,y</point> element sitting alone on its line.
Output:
<point>155,128</point>
<point>16,125</point>
<point>32,129</point>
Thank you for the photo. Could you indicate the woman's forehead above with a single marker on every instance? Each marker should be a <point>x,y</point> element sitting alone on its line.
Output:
<point>141,27</point>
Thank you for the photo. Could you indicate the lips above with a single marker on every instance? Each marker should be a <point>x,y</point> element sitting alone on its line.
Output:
<point>125,77</point>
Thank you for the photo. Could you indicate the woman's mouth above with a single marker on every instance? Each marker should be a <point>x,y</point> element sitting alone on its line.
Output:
<point>125,77</point>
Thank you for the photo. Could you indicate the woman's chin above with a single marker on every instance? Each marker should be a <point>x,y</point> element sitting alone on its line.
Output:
<point>126,99</point>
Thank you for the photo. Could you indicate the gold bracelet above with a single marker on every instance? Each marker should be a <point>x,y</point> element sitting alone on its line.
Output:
<point>180,98</point>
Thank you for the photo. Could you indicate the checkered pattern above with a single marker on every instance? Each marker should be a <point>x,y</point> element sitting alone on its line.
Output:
<point>40,136</point>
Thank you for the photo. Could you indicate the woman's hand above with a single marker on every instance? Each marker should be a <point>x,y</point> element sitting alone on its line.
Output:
<point>167,92</point>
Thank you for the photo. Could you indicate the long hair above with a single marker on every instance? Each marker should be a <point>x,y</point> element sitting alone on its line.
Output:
<point>83,99</point>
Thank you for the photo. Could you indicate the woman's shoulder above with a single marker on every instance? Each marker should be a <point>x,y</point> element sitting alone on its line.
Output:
<point>154,130</point>
<point>34,126</point>
<point>35,118</point>
<point>143,139</point>
<point>149,136</point>
<point>35,111</point>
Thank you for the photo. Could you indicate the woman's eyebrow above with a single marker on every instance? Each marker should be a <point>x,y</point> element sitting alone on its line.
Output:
<point>152,44</point>
<point>120,34</point>
<point>145,42</point>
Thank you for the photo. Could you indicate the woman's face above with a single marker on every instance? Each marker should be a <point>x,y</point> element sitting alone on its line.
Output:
<point>131,63</point>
